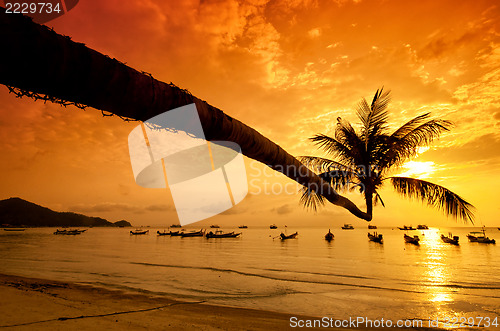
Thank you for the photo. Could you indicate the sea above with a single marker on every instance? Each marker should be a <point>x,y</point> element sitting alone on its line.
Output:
<point>349,277</point>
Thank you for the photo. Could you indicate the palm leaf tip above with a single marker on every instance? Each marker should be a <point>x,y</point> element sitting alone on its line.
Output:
<point>310,199</point>
<point>436,196</point>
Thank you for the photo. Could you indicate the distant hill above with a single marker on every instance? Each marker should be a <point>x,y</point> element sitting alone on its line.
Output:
<point>19,212</point>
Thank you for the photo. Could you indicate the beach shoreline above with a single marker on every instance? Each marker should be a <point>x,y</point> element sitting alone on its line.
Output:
<point>41,304</point>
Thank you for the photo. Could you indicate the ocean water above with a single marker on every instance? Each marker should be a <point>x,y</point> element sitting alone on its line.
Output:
<point>349,277</point>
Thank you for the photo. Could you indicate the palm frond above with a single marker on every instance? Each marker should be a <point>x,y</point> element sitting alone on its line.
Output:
<point>310,199</point>
<point>436,196</point>
<point>338,175</point>
<point>399,149</point>
<point>322,164</point>
<point>410,126</point>
<point>373,117</point>
<point>377,199</point>
<point>335,148</point>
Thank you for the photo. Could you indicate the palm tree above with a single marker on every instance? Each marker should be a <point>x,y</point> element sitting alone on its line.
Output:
<point>38,62</point>
<point>363,159</point>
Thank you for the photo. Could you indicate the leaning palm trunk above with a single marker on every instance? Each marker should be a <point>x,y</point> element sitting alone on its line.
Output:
<point>37,59</point>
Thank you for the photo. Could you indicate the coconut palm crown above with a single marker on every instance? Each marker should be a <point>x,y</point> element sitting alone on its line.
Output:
<point>362,159</point>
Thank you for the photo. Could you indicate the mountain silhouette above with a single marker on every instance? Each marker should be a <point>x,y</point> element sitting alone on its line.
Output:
<point>19,212</point>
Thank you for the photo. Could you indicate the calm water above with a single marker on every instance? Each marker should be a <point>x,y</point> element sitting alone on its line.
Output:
<point>348,277</point>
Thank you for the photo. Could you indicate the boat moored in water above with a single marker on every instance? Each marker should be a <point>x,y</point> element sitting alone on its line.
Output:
<point>290,236</point>
<point>220,234</point>
<point>273,226</point>
<point>407,228</point>
<point>165,233</point>
<point>347,227</point>
<point>372,227</point>
<point>375,237</point>
<point>412,240</point>
<point>450,239</point>
<point>200,233</point>
<point>422,227</point>
<point>137,232</point>
<point>480,237</point>
<point>329,236</point>
<point>69,232</point>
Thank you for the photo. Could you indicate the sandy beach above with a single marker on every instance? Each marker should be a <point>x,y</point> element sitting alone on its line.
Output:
<point>37,304</point>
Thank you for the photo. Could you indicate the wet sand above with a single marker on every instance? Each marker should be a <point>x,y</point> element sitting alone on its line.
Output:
<point>37,304</point>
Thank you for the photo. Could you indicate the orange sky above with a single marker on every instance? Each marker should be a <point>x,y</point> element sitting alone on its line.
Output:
<point>288,69</point>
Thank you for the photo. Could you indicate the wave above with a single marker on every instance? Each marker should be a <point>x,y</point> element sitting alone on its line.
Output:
<point>270,277</point>
<point>193,294</point>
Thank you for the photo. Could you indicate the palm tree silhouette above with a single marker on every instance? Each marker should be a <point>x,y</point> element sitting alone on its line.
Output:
<point>363,159</point>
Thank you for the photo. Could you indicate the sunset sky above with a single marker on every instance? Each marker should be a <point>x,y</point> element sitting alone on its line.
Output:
<point>288,69</point>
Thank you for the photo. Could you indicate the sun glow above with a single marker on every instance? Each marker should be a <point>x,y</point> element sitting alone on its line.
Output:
<point>418,170</point>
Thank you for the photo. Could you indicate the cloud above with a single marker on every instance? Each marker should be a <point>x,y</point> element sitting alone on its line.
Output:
<point>479,150</point>
<point>314,33</point>
<point>497,115</point>
<point>283,210</point>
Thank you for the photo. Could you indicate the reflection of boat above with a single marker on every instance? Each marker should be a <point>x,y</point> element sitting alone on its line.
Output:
<point>412,240</point>
<point>273,226</point>
<point>243,227</point>
<point>137,231</point>
<point>329,236</point>
<point>290,236</point>
<point>480,237</point>
<point>375,237</point>
<point>347,227</point>
<point>450,239</point>
<point>220,234</point>
<point>406,228</point>
<point>422,227</point>
<point>193,234</point>
<point>372,227</point>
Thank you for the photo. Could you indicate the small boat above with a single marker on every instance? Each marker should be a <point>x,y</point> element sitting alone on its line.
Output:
<point>70,232</point>
<point>137,231</point>
<point>422,227</point>
<point>480,237</point>
<point>220,234</point>
<point>214,226</point>
<point>412,240</point>
<point>290,236</point>
<point>450,239</point>
<point>164,233</point>
<point>375,237</point>
<point>347,227</point>
<point>243,227</point>
<point>372,227</point>
<point>193,234</point>
<point>273,226</point>
<point>329,236</point>
<point>175,226</point>
<point>406,228</point>
<point>13,229</point>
